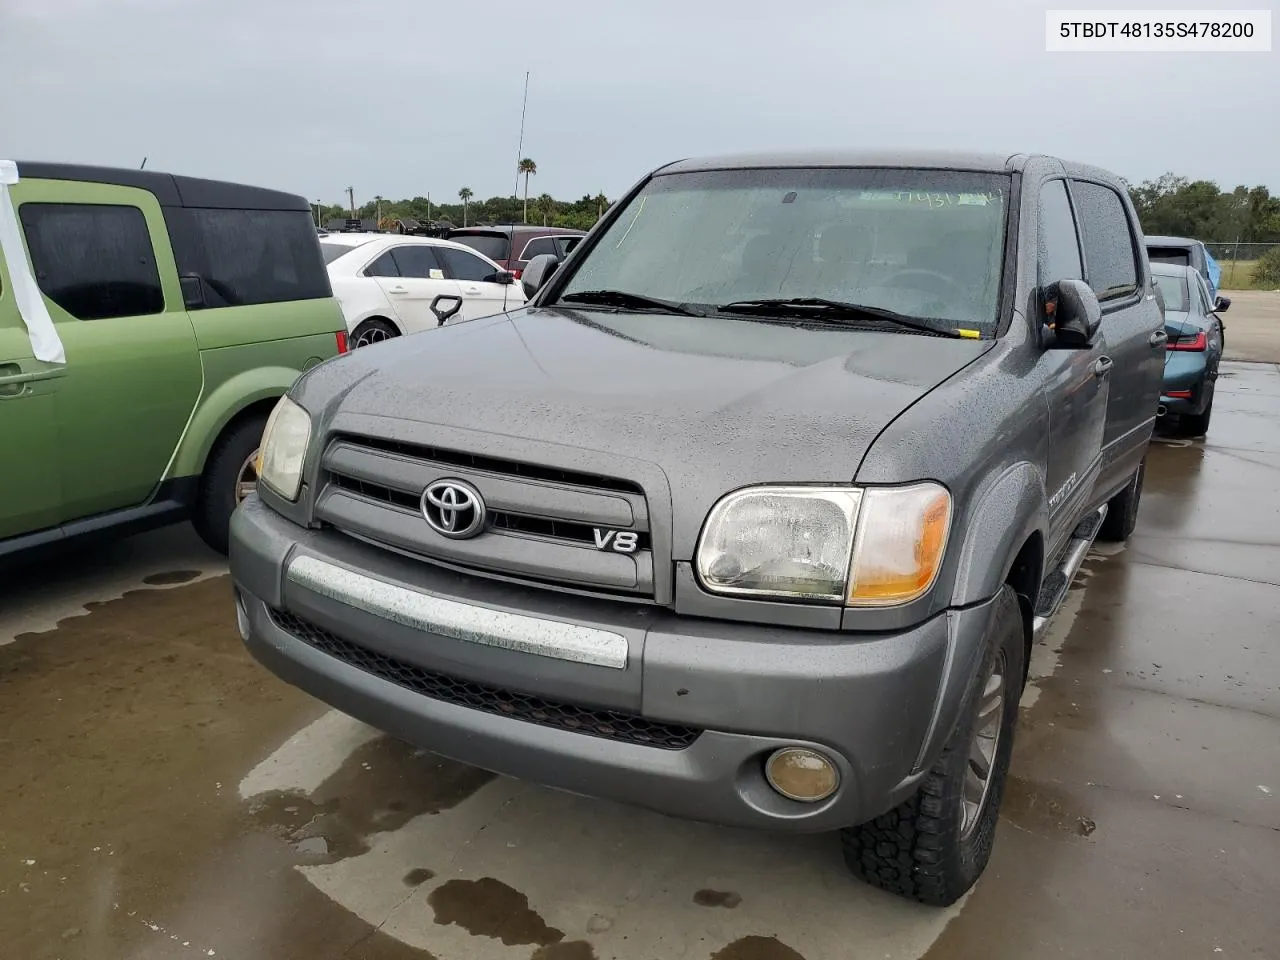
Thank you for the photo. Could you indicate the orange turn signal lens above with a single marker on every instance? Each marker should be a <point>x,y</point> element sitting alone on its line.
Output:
<point>901,539</point>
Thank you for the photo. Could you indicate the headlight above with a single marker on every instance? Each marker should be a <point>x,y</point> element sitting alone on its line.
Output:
<point>284,448</point>
<point>861,546</point>
<point>780,542</point>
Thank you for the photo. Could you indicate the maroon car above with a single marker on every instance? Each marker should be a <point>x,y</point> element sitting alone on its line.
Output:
<point>512,247</point>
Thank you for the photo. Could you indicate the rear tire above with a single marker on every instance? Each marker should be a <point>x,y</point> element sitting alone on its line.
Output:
<point>224,482</point>
<point>374,330</point>
<point>935,846</point>
<point>1197,425</point>
<point>1122,510</point>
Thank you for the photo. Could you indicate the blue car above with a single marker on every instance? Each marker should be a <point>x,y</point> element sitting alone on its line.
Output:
<point>1194,348</point>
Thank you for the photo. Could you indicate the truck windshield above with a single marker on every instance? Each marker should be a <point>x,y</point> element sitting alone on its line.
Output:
<point>925,244</point>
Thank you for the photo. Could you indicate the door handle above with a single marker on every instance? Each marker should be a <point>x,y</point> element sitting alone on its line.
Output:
<point>13,379</point>
<point>1103,366</point>
<point>473,291</point>
<point>398,290</point>
<point>1158,339</point>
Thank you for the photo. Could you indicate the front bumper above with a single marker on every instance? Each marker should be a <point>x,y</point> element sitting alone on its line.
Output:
<point>345,622</point>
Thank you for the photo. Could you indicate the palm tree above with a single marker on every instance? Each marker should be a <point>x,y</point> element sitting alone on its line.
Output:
<point>465,196</point>
<point>601,202</point>
<point>528,168</point>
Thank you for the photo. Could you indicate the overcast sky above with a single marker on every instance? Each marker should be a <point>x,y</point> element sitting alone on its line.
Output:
<point>406,97</point>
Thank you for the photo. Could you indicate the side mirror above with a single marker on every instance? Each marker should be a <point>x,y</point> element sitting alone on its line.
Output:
<point>538,272</point>
<point>444,306</point>
<point>1073,309</point>
<point>1221,304</point>
<point>501,276</point>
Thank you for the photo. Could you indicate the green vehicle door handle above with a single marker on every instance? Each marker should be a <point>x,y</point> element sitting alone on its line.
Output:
<point>13,379</point>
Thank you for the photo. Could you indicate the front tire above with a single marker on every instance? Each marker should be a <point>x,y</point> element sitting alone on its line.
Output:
<point>935,846</point>
<point>230,474</point>
<point>1122,510</point>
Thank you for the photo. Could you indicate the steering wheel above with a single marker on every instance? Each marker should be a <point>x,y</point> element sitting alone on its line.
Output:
<point>946,285</point>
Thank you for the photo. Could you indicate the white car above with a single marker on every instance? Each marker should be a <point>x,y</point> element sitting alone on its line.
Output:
<point>386,283</point>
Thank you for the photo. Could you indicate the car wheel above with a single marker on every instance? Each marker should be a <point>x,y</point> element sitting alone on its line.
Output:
<point>230,475</point>
<point>1122,510</point>
<point>1197,425</point>
<point>934,847</point>
<point>374,330</point>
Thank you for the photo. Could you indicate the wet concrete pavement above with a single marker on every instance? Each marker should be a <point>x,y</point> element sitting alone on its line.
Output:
<point>162,796</point>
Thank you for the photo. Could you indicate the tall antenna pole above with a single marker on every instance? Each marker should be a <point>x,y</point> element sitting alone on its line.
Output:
<point>144,164</point>
<point>520,150</point>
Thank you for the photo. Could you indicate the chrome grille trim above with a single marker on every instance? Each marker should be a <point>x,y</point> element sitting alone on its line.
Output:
<point>542,521</point>
<point>461,621</point>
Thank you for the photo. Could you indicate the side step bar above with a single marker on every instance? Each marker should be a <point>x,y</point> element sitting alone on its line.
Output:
<point>1054,589</point>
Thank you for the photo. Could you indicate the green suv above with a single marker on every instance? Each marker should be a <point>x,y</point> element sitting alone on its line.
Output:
<point>148,325</point>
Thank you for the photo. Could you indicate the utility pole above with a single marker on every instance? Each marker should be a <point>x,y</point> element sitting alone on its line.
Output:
<point>318,224</point>
<point>351,199</point>
<point>428,206</point>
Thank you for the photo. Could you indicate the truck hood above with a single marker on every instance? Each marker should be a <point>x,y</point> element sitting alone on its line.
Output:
<point>713,403</point>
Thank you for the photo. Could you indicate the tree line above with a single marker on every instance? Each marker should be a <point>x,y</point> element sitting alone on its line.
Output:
<point>1168,205</point>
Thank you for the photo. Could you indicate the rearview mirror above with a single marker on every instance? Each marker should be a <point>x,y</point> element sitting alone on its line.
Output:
<point>538,271</point>
<point>444,306</point>
<point>1221,304</point>
<point>1073,311</point>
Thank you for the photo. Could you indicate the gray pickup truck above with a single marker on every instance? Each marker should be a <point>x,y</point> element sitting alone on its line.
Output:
<point>750,516</point>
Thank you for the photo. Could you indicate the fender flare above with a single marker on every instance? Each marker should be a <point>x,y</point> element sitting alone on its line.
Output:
<point>219,408</point>
<point>1011,507</point>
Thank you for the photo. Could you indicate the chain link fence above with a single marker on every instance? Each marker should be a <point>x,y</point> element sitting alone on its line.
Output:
<point>1237,261</point>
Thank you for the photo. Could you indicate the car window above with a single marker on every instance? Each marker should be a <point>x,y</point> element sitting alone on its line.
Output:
<point>1178,256</point>
<point>332,251</point>
<point>418,260</point>
<point>538,246</point>
<point>570,243</point>
<point>495,246</point>
<point>95,261</point>
<point>1059,246</point>
<point>1202,294</point>
<point>248,257</point>
<point>1174,292</point>
<point>464,266</point>
<point>1110,250</point>
<point>384,266</point>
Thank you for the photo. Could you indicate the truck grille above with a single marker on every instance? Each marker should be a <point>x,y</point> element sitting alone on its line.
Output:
<point>610,724</point>
<point>541,523</point>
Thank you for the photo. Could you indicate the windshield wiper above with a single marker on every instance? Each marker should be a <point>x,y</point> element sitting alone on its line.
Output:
<point>824,309</point>
<point>629,301</point>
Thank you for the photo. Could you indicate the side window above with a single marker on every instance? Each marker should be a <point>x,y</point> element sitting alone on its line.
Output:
<point>537,247</point>
<point>245,257</point>
<point>384,266</point>
<point>1059,247</point>
<point>418,260</point>
<point>570,243</point>
<point>95,261</point>
<point>464,266</point>
<point>1110,250</point>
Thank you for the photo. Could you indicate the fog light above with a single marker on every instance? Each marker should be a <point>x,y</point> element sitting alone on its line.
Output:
<point>242,617</point>
<point>800,774</point>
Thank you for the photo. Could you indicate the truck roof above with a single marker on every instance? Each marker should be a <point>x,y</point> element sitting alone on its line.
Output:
<point>906,159</point>
<point>169,189</point>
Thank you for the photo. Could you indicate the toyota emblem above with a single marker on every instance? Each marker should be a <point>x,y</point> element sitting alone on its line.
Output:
<point>454,509</point>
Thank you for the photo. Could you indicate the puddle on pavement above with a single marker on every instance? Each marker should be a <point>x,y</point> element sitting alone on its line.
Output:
<point>717,898</point>
<point>170,578</point>
<point>489,908</point>
<point>568,950</point>
<point>123,734</point>
<point>380,787</point>
<point>418,876</point>
<point>756,948</point>
<point>1039,807</point>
